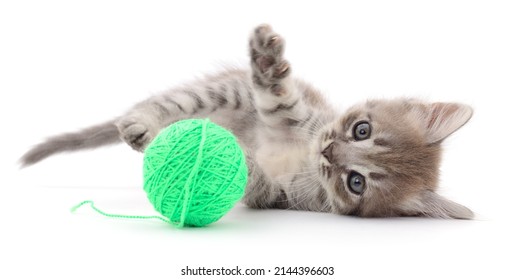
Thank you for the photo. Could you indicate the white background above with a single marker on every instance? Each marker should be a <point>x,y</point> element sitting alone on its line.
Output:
<point>66,65</point>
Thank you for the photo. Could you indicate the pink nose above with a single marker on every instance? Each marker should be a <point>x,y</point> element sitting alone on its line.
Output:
<point>328,153</point>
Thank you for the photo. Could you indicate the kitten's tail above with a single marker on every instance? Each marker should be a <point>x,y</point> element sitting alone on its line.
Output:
<point>91,137</point>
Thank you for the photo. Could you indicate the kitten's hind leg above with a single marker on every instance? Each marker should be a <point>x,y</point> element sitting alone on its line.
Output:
<point>278,101</point>
<point>260,191</point>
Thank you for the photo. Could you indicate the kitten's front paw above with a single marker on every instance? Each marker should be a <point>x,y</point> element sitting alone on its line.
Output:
<point>265,41</point>
<point>266,53</point>
<point>136,134</point>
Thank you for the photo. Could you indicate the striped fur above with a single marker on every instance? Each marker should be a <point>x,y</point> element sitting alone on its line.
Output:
<point>300,150</point>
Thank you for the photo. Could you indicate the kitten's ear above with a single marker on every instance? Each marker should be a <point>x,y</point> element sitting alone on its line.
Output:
<point>431,204</point>
<point>442,119</point>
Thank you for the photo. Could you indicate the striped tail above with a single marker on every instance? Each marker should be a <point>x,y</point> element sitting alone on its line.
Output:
<point>88,138</point>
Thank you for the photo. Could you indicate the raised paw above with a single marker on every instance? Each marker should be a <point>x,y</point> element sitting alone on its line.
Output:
<point>266,52</point>
<point>136,134</point>
<point>265,41</point>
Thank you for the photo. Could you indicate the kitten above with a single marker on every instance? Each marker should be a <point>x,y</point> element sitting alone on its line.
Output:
<point>378,159</point>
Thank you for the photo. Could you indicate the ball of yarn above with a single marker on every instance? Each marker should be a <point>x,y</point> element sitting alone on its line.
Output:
<point>194,172</point>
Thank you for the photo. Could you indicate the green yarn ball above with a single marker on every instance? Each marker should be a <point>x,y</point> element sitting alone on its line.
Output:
<point>194,172</point>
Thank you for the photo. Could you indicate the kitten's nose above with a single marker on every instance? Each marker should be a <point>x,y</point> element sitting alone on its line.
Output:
<point>328,153</point>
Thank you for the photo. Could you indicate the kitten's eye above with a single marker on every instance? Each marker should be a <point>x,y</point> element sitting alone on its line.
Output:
<point>362,131</point>
<point>356,183</point>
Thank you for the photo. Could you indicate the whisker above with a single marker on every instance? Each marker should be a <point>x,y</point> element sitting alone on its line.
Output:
<point>313,129</point>
<point>305,196</point>
<point>306,183</point>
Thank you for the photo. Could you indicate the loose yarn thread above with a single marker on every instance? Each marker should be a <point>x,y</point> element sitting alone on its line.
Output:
<point>122,216</point>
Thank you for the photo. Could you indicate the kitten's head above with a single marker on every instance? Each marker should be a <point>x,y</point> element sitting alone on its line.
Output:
<point>382,158</point>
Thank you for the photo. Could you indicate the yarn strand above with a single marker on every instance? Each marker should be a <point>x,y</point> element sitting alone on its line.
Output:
<point>193,173</point>
<point>118,216</point>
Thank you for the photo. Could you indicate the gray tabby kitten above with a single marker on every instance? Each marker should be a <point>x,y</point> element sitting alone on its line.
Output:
<point>378,159</point>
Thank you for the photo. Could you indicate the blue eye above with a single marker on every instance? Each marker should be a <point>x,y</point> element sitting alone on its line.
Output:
<point>361,131</point>
<point>356,183</point>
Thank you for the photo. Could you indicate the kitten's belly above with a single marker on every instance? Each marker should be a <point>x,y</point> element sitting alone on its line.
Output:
<point>280,162</point>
